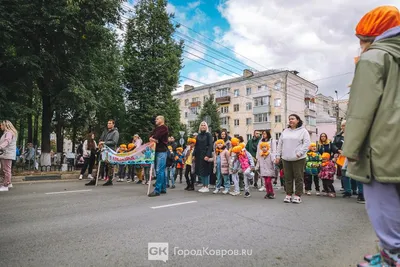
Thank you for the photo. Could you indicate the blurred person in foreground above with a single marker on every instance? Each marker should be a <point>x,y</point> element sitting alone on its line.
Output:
<point>373,125</point>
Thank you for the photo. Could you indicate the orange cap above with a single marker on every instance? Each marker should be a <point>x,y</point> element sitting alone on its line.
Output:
<point>378,20</point>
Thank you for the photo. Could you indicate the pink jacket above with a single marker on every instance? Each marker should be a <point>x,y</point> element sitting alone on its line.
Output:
<point>225,158</point>
<point>246,161</point>
<point>327,172</point>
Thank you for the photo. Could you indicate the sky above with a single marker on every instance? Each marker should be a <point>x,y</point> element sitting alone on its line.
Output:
<point>315,38</point>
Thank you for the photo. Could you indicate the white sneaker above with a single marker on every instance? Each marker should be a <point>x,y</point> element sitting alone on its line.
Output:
<point>262,189</point>
<point>234,193</point>
<point>225,192</point>
<point>296,200</point>
<point>216,191</point>
<point>90,176</point>
<point>10,186</point>
<point>288,199</point>
<point>201,190</point>
<point>3,189</point>
<point>80,177</point>
<point>318,193</point>
<point>206,190</point>
<point>308,193</point>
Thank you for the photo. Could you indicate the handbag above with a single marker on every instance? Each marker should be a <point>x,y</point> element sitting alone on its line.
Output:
<point>340,160</point>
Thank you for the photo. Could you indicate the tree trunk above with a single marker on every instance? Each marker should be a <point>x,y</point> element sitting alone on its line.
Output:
<point>29,116</point>
<point>21,133</point>
<point>59,133</point>
<point>35,139</point>
<point>73,137</point>
<point>45,159</point>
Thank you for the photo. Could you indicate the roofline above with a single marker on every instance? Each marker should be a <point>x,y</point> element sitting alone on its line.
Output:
<point>232,80</point>
<point>304,79</point>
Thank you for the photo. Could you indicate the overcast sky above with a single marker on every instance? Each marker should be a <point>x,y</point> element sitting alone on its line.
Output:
<point>313,37</point>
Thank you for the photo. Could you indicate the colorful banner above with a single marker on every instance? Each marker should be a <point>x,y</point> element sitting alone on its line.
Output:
<point>144,155</point>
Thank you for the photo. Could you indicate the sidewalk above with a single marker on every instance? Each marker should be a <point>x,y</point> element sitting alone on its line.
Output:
<point>45,177</point>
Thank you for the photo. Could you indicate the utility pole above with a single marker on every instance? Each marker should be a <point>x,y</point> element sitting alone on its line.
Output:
<point>338,122</point>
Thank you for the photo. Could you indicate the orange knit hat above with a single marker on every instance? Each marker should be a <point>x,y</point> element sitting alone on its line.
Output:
<point>191,141</point>
<point>235,141</point>
<point>265,144</point>
<point>378,20</point>
<point>242,145</point>
<point>131,146</point>
<point>326,156</point>
<point>179,149</point>
<point>237,149</point>
<point>220,141</point>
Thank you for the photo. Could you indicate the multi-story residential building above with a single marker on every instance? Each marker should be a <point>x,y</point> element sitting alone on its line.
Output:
<point>326,116</point>
<point>254,101</point>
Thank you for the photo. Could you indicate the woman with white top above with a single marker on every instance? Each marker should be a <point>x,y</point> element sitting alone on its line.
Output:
<point>292,149</point>
<point>89,155</point>
<point>8,148</point>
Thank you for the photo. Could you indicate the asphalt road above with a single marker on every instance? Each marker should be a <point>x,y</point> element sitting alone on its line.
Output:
<point>112,226</point>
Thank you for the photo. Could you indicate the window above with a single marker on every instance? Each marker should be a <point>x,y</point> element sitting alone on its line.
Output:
<point>311,121</point>
<point>277,102</point>
<point>278,135</point>
<point>194,110</point>
<point>236,92</point>
<point>236,107</point>
<point>262,88</point>
<point>248,121</point>
<point>224,109</point>
<point>248,106</point>
<point>191,124</point>
<point>206,98</point>
<point>186,102</point>
<point>278,85</point>
<point>261,101</point>
<point>195,99</point>
<point>249,136</point>
<point>236,122</point>
<point>222,92</point>
<point>186,114</point>
<point>248,91</point>
<point>278,118</point>
<point>224,121</point>
<point>307,92</point>
<point>311,105</point>
<point>260,118</point>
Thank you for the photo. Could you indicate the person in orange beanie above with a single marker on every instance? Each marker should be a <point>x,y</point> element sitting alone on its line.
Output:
<point>373,122</point>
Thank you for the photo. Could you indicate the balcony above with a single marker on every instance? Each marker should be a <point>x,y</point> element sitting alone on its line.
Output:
<point>260,126</point>
<point>261,93</point>
<point>310,112</point>
<point>195,104</point>
<point>223,100</point>
<point>262,109</point>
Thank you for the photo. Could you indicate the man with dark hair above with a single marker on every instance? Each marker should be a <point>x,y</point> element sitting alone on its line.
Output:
<point>160,137</point>
<point>109,138</point>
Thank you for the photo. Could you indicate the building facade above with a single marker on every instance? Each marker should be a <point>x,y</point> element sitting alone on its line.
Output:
<point>255,101</point>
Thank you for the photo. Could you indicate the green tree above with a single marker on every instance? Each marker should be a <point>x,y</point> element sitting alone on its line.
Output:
<point>152,61</point>
<point>209,113</point>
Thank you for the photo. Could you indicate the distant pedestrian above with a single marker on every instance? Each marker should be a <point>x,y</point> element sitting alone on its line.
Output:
<point>89,155</point>
<point>8,147</point>
<point>292,148</point>
<point>202,156</point>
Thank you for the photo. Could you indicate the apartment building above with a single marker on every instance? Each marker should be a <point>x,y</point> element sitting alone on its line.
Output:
<point>326,116</point>
<point>254,101</point>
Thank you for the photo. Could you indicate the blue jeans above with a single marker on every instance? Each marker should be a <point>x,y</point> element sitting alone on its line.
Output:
<point>347,185</point>
<point>170,175</point>
<point>205,180</point>
<point>223,178</point>
<point>160,165</point>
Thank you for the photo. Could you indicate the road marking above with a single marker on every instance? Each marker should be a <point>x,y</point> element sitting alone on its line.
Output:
<point>65,192</point>
<point>173,205</point>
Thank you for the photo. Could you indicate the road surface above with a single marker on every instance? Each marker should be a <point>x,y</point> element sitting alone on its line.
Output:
<point>58,224</point>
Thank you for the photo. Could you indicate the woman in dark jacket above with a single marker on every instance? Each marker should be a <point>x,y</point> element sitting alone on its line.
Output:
<point>325,145</point>
<point>202,156</point>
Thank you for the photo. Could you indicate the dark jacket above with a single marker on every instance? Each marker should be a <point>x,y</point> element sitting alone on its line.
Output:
<point>327,147</point>
<point>160,133</point>
<point>110,138</point>
<point>170,159</point>
<point>339,140</point>
<point>203,148</point>
<point>174,145</point>
<point>252,146</point>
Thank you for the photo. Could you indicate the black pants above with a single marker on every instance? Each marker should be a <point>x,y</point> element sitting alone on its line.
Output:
<point>353,185</point>
<point>131,172</point>
<point>328,186</point>
<point>213,176</point>
<point>180,173</point>
<point>308,180</point>
<point>89,162</point>
<point>190,177</point>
